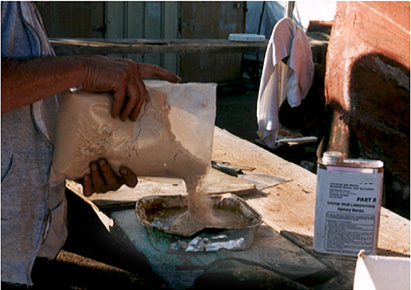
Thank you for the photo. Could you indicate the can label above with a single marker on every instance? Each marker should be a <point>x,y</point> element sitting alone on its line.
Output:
<point>348,203</point>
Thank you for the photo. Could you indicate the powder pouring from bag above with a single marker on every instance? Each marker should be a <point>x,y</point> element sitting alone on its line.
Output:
<point>172,137</point>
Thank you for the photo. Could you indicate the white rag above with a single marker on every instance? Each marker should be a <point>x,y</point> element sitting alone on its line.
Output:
<point>280,80</point>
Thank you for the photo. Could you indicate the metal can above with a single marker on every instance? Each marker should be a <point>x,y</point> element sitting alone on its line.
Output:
<point>348,204</point>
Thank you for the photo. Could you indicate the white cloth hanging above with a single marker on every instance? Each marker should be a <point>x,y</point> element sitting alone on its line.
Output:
<point>279,80</point>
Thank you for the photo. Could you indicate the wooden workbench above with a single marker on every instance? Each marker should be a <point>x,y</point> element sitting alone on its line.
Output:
<point>288,214</point>
<point>289,208</point>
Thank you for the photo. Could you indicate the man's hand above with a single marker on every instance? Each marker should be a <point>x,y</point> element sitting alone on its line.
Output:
<point>125,79</point>
<point>102,178</point>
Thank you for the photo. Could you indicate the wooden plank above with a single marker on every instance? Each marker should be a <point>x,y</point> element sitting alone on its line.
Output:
<point>72,18</point>
<point>171,20</point>
<point>65,46</point>
<point>134,24</point>
<point>227,17</point>
<point>289,208</point>
<point>115,28</point>
<point>139,20</point>
<point>153,28</point>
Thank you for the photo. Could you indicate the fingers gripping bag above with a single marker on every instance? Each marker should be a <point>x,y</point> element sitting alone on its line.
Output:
<point>172,136</point>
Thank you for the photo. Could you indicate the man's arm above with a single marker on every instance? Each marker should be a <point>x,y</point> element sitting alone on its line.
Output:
<point>26,81</point>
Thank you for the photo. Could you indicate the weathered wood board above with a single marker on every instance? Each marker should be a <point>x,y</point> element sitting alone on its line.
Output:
<point>103,46</point>
<point>290,206</point>
<point>287,210</point>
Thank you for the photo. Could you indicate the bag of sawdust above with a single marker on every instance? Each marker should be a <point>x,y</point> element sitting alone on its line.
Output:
<point>172,137</point>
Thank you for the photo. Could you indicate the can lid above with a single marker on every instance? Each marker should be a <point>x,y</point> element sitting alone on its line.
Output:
<point>332,157</point>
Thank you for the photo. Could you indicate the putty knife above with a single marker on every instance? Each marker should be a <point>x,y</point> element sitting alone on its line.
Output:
<point>260,180</point>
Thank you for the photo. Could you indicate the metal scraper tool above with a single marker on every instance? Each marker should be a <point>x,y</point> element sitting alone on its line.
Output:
<point>260,180</point>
